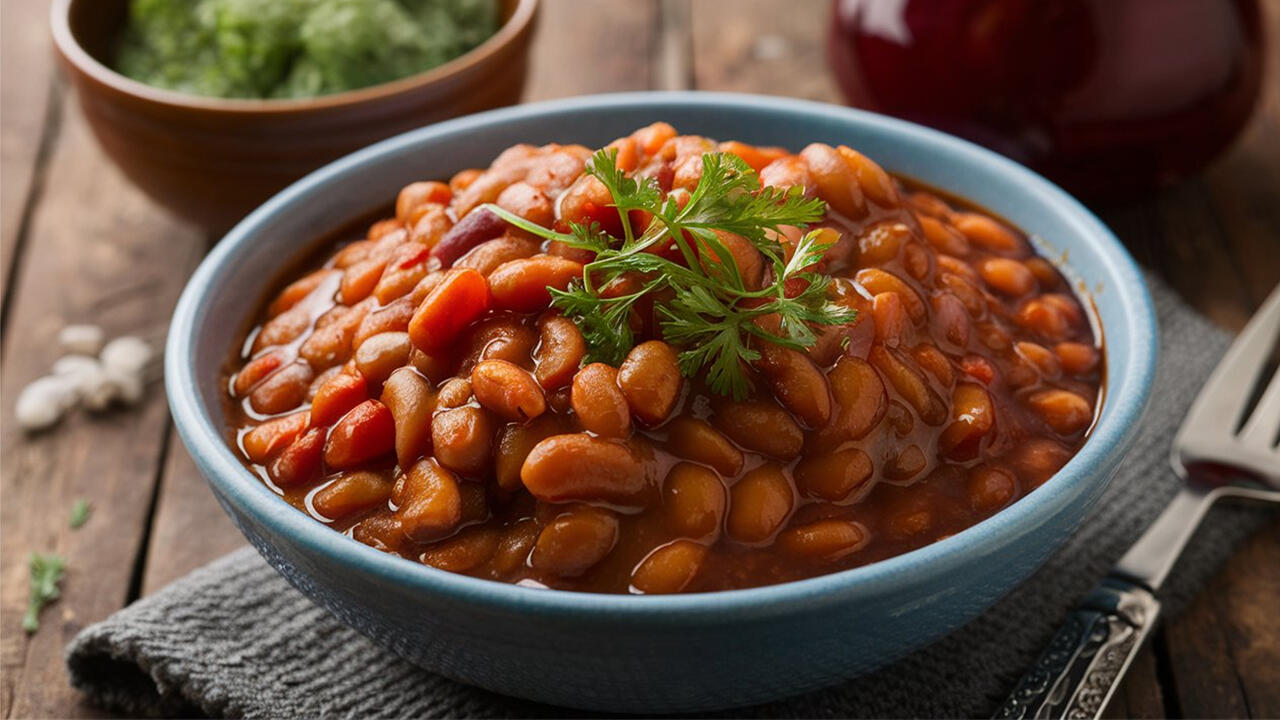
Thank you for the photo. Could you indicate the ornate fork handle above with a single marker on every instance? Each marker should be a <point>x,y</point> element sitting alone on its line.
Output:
<point>1080,670</point>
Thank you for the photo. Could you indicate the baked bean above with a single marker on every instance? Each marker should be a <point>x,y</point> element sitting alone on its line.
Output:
<point>1076,358</point>
<point>508,390</point>
<point>650,380</point>
<point>950,320</point>
<point>500,338</point>
<point>581,467</point>
<point>459,299</point>
<point>431,505</point>
<point>834,476</point>
<point>403,271</point>
<point>560,350</point>
<point>882,242</point>
<point>359,280</point>
<point>912,516</point>
<point>943,237</point>
<point>891,318</point>
<point>412,402</point>
<point>575,541</point>
<point>760,426</point>
<point>694,439</point>
<point>670,568</point>
<point>1062,410</point>
<point>515,441</point>
<point>972,417</point>
<point>282,390</point>
<point>878,281</point>
<point>759,504</point>
<point>255,371</point>
<point>528,202</point>
<point>515,545</point>
<point>299,290</point>
<point>380,355</point>
<point>462,179</point>
<point>391,318</point>
<point>1007,276</point>
<point>264,441</point>
<point>874,181</point>
<point>910,384</point>
<point>414,195</point>
<point>336,397</point>
<point>470,231</point>
<point>462,437</point>
<point>300,463</point>
<point>1044,360</point>
<point>990,488</point>
<point>366,432</point>
<point>429,224</point>
<point>1046,274</point>
<point>787,172</point>
<point>524,285</point>
<point>488,255</point>
<point>331,345</point>
<point>931,359</point>
<point>282,329</point>
<point>986,233</point>
<point>352,492</point>
<point>929,204</point>
<point>908,464</point>
<point>797,383</point>
<point>756,157</point>
<point>963,289</point>
<point>825,540</point>
<point>694,498</point>
<point>588,201</point>
<point>455,392</point>
<point>860,398</point>
<point>1036,459</point>
<point>465,551</point>
<point>835,180</point>
<point>598,401</point>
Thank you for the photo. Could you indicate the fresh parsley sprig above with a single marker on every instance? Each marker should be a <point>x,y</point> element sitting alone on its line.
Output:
<point>707,310</point>
<point>46,573</point>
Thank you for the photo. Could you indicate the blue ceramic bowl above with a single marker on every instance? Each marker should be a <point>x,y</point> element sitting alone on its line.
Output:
<point>672,653</point>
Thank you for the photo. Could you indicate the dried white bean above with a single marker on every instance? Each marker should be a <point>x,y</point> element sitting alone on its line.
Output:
<point>81,339</point>
<point>126,354</point>
<point>44,401</point>
<point>76,367</point>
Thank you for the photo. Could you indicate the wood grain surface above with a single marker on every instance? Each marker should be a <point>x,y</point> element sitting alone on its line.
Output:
<point>78,243</point>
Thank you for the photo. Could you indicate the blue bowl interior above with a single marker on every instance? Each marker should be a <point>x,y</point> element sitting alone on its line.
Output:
<point>228,286</point>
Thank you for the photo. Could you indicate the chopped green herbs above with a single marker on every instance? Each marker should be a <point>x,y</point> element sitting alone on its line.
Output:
<point>46,573</point>
<point>709,312</point>
<point>294,48</point>
<point>80,513</point>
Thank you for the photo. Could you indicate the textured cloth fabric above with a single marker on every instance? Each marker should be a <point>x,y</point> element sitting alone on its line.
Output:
<point>234,639</point>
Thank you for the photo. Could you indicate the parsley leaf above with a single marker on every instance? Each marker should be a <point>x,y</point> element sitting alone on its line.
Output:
<point>703,304</point>
<point>80,513</point>
<point>46,573</point>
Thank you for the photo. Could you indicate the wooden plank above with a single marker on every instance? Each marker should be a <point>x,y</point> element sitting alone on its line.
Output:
<point>26,112</point>
<point>615,39</point>
<point>189,529</point>
<point>762,46</point>
<point>100,252</point>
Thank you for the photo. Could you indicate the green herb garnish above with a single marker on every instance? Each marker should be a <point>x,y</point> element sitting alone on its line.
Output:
<point>80,513</point>
<point>710,313</point>
<point>46,572</point>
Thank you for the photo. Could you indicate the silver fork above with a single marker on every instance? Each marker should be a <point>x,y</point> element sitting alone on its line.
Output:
<point>1078,673</point>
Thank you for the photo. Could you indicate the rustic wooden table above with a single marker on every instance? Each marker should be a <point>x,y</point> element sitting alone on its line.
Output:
<point>79,244</point>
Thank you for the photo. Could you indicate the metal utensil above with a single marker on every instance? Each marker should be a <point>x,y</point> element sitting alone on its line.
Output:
<point>1218,452</point>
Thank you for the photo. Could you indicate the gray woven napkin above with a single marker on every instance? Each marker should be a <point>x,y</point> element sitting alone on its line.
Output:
<point>234,639</point>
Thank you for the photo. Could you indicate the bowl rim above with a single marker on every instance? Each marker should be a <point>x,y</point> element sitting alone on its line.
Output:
<point>244,490</point>
<point>69,47</point>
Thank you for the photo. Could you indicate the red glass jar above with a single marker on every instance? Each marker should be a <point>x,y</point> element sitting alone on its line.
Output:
<point>1107,97</point>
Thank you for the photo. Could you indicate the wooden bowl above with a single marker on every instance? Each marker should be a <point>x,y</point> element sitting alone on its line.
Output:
<point>212,160</point>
